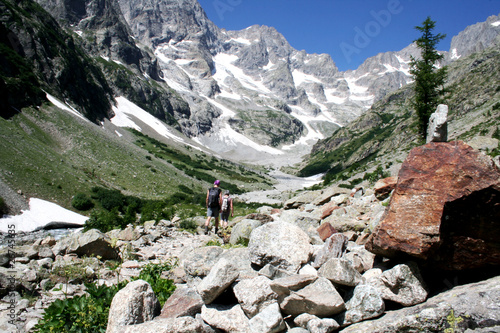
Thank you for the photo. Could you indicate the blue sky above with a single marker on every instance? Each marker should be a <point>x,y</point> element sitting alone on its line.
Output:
<point>351,30</point>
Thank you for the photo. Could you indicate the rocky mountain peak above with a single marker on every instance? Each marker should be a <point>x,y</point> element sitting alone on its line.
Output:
<point>475,38</point>
<point>157,22</point>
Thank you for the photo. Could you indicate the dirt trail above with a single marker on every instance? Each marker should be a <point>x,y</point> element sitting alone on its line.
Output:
<point>284,189</point>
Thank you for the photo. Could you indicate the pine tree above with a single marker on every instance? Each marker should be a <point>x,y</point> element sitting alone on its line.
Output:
<point>429,80</point>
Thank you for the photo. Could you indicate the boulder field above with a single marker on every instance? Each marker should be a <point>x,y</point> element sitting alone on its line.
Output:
<point>415,253</point>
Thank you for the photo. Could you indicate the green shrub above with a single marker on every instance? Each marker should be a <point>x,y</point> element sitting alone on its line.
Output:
<point>189,225</point>
<point>151,273</point>
<point>242,241</point>
<point>213,242</point>
<point>185,189</point>
<point>355,181</point>
<point>82,202</point>
<point>178,198</point>
<point>105,221</point>
<point>72,272</point>
<point>379,173</point>
<point>496,134</point>
<point>154,210</point>
<point>108,199</point>
<point>87,313</point>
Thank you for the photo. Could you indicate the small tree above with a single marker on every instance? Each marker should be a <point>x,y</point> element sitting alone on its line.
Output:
<point>429,80</point>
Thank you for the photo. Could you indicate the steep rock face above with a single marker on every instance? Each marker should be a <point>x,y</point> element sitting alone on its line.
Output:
<point>54,60</point>
<point>181,24</point>
<point>475,38</point>
<point>107,37</point>
<point>111,33</point>
<point>444,208</point>
<point>385,72</point>
<point>222,74</point>
<point>156,22</point>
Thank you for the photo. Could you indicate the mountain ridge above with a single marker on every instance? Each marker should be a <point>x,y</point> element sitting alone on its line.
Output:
<point>209,82</point>
<point>264,64</point>
<point>383,136</point>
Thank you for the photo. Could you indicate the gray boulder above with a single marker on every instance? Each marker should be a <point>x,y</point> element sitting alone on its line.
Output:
<point>284,285</point>
<point>254,294</point>
<point>269,320</point>
<point>243,229</point>
<point>308,270</point>
<point>134,304</point>
<point>226,318</point>
<point>240,259</point>
<point>45,251</point>
<point>298,330</point>
<point>222,274</point>
<point>365,303</point>
<point>302,199</point>
<point>401,284</point>
<point>324,325</point>
<point>183,302</point>
<point>328,193</point>
<point>341,271</point>
<point>272,272</point>
<point>483,143</point>
<point>201,260</point>
<point>167,325</point>
<point>457,310</point>
<point>437,130</point>
<point>314,324</point>
<point>334,247</point>
<point>361,259</point>
<point>280,244</point>
<point>308,222</point>
<point>346,219</point>
<point>319,298</point>
<point>92,243</point>
<point>128,234</point>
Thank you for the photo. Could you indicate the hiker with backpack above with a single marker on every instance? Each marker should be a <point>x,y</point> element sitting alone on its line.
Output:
<point>226,208</point>
<point>213,201</point>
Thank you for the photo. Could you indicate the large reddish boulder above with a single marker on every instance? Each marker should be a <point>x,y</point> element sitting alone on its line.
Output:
<point>445,209</point>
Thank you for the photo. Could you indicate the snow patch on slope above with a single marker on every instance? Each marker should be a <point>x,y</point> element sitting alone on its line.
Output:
<point>224,68</point>
<point>300,77</point>
<point>232,138</point>
<point>64,106</point>
<point>126,110</point>
<point>312,135</point>
<point>39,214</point>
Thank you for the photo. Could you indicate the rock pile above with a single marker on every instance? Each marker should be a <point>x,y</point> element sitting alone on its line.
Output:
<point>300,274</point>
<point>289,284</point>
<point>323,263</point>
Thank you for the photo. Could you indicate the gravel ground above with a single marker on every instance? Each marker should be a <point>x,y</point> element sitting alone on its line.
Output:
<point>16,202</point>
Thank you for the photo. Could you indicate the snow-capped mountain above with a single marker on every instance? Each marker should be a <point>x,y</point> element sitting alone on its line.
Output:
<point>252,82</point>
<point>245,93</point>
